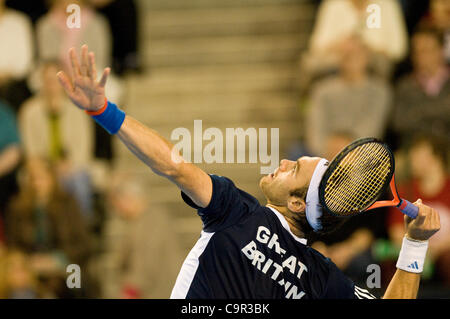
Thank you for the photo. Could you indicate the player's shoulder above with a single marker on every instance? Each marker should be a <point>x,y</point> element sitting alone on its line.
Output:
<point>225,183</point>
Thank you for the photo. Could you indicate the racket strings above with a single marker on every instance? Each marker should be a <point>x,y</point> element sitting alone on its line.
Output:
<point>343,173</point>
<point>361,181</point>
<point>376,179</point>
<point>346,199</point>
<point>357,179</point>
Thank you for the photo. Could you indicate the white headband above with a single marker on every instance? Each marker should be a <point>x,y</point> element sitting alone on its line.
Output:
<point>313,207</point>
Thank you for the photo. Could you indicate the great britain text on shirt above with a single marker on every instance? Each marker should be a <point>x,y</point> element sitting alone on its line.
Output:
<point>264,264</point>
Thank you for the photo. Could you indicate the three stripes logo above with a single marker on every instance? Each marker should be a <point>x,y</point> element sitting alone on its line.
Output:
<point>414,265</point>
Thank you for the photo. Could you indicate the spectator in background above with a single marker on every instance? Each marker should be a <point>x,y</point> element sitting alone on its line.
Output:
<point>55,38</point>
<point>352,101</point>
<point>46,223</point>
<point>10,156</point>
<point>339,19</point>
<point>440,19</point>
<point>16,56</point>
<point>424,95</point>
<point>17,279</point>
<point>47,123</point>
<point>430,181</point>
<point>123,21</point>
<point>141,253</point>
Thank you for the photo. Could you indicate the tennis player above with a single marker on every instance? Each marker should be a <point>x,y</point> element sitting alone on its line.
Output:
<point>247,250</point>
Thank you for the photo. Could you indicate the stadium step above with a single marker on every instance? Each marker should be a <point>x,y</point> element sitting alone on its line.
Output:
<point>229,63</point>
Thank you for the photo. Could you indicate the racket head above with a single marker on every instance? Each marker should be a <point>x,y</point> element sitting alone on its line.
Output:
<point>356,177</point>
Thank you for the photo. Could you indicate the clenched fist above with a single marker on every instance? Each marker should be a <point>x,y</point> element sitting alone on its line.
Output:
<point>425,225</point>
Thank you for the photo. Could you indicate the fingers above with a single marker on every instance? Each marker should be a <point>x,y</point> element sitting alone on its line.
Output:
<point>76,72</point>
<point>435,219</point>
<point>92,67</point>
<point>65,82</point>
<point>87,68</point>
<point>104,78</point>
<point>84,61</point>
<point>426,224</point>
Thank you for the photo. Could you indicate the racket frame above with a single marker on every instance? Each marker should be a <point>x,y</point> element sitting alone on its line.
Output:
<point>390,180</point>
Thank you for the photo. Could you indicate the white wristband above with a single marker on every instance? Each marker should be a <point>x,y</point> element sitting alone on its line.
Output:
<point>412,255</point>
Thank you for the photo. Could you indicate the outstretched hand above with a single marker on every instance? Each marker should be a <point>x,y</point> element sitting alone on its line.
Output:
<point>82,88</point>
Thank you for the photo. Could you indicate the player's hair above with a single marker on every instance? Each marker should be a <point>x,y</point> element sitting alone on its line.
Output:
<point>329,222</point>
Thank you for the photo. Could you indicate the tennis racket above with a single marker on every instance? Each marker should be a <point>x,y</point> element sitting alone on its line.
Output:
<point>357,177</point>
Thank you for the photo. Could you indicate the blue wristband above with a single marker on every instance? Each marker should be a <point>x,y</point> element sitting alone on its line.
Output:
<point>111,119</point>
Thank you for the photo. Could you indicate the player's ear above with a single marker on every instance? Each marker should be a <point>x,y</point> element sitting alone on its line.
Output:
<point>296,204</point>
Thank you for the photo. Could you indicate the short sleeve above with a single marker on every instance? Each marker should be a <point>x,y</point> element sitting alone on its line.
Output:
<point>228,205</point>
<point>340,286</point>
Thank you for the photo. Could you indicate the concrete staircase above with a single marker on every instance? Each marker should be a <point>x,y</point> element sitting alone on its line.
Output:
<point>229,63</point>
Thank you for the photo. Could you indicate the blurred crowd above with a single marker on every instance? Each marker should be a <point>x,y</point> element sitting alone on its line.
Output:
<point>390,82</point>
<point>55,208</point>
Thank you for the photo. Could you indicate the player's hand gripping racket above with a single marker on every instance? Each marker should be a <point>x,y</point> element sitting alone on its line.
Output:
<point>357,177</point>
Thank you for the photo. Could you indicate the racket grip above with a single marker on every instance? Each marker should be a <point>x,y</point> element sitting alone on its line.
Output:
<point>408,208</point>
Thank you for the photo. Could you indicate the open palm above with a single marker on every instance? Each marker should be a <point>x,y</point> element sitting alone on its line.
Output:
<point>83,89</point>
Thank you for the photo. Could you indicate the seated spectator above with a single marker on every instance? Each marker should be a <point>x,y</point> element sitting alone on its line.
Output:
<point>17,279</point>
<point>430,182</point>
<point>46,223</point>
<point>422,97</point>
<point>440,19</point>
<point>352,101</point>
<point>10,155</point>
<point>16,56</point>
<point>142,256</point>
<point>55,39</point>
<point>52,128</point>
<point>339,19</point>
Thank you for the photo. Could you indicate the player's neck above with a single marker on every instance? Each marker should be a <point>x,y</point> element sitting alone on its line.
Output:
<point>290,218</point>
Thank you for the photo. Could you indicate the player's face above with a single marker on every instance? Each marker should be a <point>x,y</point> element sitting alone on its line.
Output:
<point>289,176</point>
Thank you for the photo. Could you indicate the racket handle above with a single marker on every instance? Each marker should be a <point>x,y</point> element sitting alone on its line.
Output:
<point>408,209</point>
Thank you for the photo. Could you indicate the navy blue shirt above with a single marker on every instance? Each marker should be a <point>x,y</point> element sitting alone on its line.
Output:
<point>248,251</point>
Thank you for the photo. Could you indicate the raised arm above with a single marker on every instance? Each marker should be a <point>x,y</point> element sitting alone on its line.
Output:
<point>89,95</point>
<point>405,283</point>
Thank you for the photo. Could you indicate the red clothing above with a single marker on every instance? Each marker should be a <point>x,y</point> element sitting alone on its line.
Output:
<point>440,202</point>
<point>411,192</point>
